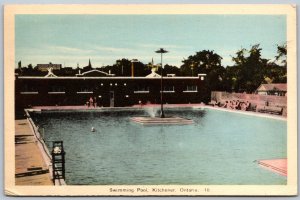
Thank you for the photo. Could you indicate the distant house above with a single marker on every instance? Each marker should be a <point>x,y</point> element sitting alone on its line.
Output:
<point>277,89</point>
<point>45,67</point>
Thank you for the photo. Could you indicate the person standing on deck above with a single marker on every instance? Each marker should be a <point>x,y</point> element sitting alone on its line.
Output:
<point>91,101</point>
<point>95,102</point>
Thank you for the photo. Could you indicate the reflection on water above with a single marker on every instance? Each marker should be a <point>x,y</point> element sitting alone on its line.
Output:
<point>219,148</point>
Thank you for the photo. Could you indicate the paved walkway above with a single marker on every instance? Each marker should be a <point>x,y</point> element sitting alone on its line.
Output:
<point>30,168</point>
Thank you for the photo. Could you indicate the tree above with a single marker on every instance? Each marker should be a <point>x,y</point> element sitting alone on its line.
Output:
<point>123,67</point>
<point>140,69</point>
<point>169,69</point>
<point>209,63</point>
<point>282,53</point>
<point>275,73</point>
<point>232,78</point>
<point>30,67</point>
<point>249,70</point>
<point>278,73</point>
<point>201,62</point>
<point>206,62</point>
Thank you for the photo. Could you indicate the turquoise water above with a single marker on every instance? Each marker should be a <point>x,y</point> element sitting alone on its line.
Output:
<point>220,148</point>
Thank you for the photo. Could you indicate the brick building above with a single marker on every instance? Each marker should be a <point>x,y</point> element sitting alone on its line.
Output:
<point>109,91</point>
<point>45,67</point>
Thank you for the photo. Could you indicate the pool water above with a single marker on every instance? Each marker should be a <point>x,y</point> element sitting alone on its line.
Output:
<point>219,148</point>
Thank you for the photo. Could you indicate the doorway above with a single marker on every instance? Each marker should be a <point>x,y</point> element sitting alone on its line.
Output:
<point>111,98</point>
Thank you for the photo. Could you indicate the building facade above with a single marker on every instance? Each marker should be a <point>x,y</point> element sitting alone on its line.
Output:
<point>277,89</point>
<point>108,91</point>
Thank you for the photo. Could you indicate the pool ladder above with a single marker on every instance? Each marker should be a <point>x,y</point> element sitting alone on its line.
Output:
<point>58,161</point>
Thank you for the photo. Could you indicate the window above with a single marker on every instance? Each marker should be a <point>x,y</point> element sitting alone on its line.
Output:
<point>55,89</point>
<point>27,89</point>
<point>169,89</point>
<point>85,90</point>
<point>141,89</point>
<point>191,88</point>
<point>171,75</point>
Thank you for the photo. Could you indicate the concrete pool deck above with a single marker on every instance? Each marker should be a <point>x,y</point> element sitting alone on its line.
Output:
<point>250,113</point>
<point>30,168</point>
<point>196,105</point>
<point>278,166</point>
<point>83,107</point>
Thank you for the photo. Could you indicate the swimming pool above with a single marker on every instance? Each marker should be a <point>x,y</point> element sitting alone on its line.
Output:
<point>219,148</point>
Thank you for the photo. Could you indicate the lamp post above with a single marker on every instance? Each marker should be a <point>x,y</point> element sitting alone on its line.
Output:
<point>192,67</point>
<point>161,51</point>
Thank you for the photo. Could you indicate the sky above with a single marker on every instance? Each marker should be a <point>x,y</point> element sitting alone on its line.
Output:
<point>74,39</point>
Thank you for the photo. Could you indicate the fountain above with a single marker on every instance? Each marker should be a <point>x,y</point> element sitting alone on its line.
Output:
<point>154,120</point>
<point>151,111</point>
<point>162,120</point>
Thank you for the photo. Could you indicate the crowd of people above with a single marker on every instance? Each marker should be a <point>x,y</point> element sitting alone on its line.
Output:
<point>235,105</point>
<point>92,102</point>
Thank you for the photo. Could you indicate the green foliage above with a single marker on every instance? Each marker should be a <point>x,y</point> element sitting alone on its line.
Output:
<point>251,70</point>
<point>122,67</point>
<point>209,63</point>
<point>169,69</point>
<point>202,62</point>
<point>282,53</point>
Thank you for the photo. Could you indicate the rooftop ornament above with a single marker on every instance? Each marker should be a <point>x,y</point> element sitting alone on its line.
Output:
<point>50,73</point>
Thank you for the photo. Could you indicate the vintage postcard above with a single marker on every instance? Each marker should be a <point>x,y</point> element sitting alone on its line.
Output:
<point>150,100</point>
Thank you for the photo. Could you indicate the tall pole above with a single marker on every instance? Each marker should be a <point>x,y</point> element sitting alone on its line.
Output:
<point>162,114</point>
<point>192,68</point>
<point>161,51</point>
<point>132,66</point>
<point>132,69</point>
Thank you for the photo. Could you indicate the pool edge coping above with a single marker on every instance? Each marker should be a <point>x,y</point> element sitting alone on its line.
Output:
<point>42,147</point>
<point>193,106</point>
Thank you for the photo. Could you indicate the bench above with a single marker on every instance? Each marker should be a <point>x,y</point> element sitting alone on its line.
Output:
<point>269,109</point>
